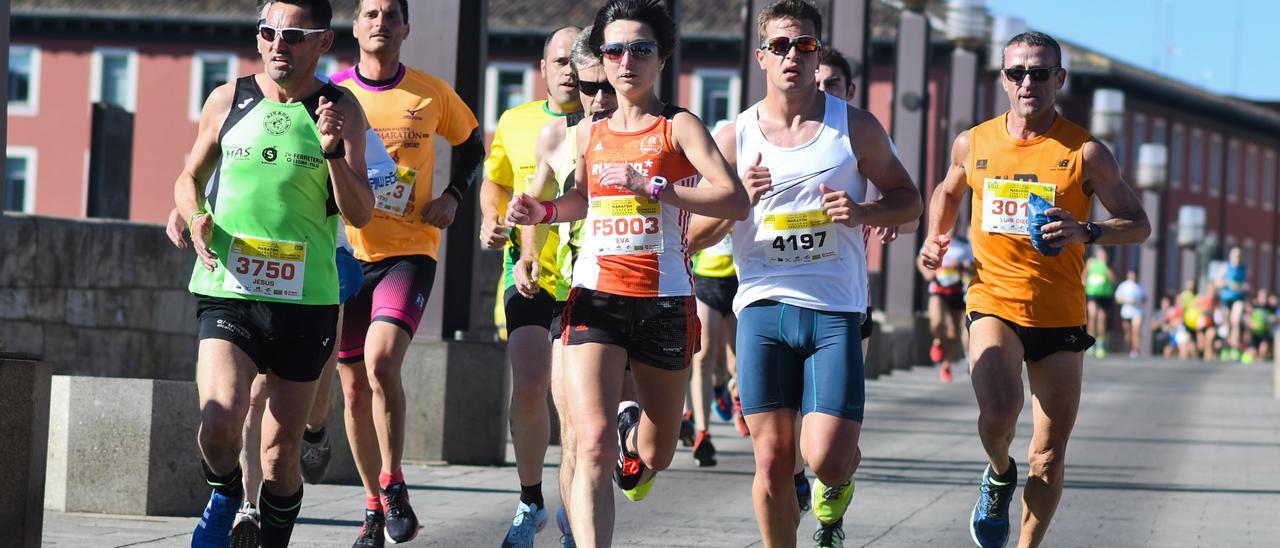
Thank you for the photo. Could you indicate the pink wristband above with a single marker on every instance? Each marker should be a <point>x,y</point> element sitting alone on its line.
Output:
<point>550,216</point>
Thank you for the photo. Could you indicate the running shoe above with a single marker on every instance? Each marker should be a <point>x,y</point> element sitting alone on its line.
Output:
<point>989,524</point>
<point>529,520</point>
<point>739,421</point>
<point>566,532</point>
<point>315,458</point>
<point>630,468</point>
<point>687,429</point>
<point>724,404</point>
<point>804,493</point>
<point>402,523</point>
<point>703,451</point>
<point>829,535</point>
<point>944,372</point>
<point>245,531</point>
<point>936,353</point>
<point>214,528</point>
<point>830,503</point>
<point>371,531</point>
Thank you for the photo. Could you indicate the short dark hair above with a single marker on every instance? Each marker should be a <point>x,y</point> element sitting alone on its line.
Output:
<point>798,10</point>
<point>404,9</point>
<point>832,57</point>
<point>650,12</point>
<point>547,43</point>
<point>1034,39</point>
<point>320,11</point>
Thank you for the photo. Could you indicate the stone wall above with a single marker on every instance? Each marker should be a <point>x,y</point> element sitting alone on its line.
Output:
<point>96,297</point>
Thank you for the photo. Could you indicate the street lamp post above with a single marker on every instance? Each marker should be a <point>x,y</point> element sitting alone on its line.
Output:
<point>1153,169</point>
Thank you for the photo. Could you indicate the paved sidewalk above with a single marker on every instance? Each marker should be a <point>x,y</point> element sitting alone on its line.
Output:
<point>1164,454</point>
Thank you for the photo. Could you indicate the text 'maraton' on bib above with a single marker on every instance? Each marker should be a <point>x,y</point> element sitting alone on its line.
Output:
<point>625,225</point>
<point>800,237</point>
<point>265,267</point>
<point>1004,204</point>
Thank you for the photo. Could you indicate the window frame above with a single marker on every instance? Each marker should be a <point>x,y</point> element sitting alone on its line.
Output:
<point>32,157</point>
<point>1251,159</point>
<point>198,61</point>
<point>1268,178</point>
<point>696,88</point>
<point>491,74</point>
<point>95,75</point>
<point>1177,156</point>
<point>1233,177</point>
<point>1197,158</point>
<point>1215,152</point>
<point>30,107</point>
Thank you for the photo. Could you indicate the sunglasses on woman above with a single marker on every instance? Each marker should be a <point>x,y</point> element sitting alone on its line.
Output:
<point>1038,74</point>
<point>592,88</point>
<point>781,45</point>
<point>640,49</point>
<point>291,36</point>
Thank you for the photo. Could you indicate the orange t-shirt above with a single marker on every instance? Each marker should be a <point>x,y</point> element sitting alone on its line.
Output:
<point>407,113</point>
<point>1013,280</point>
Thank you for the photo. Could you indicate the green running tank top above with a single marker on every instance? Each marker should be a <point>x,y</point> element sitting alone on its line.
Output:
<point>274,215</point>
<point>1096,281</point>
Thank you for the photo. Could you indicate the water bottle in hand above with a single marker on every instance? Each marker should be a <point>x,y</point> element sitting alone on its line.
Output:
<point>1036,219</point>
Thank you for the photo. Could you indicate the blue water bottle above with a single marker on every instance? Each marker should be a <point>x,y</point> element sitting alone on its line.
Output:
<point>1036,219</point>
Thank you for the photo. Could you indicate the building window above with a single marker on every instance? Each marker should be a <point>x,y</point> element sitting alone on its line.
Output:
<point>1139,133</point>
<point>1264,267</point>
<point>1196,175</point>
<point>24,80</point>
<point>715,95</point>
<point>20,179</point>
<point>508,85</point>
<point>1247,257</point>
<point>114,77</point>
<point>1157,131</point>
<point>1177,157</point>
<point>1251,176</point>
<point>1214,178</point>
<point>1233,170</point>
<point>1269,180</point>
<point>208,71</point>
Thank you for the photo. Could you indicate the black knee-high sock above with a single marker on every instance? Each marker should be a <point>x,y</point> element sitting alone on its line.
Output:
<point>278,515</point>
<point>228,486</point>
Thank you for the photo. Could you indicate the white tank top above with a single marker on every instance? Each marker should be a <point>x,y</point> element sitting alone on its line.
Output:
<point>788,250</point>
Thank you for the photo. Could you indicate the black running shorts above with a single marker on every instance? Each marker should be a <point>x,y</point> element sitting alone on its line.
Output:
<point>293,341</point>
<point>1039,343</point>
<point>659,331</point>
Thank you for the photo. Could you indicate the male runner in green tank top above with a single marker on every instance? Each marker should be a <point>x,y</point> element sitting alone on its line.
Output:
<point>284,154</point>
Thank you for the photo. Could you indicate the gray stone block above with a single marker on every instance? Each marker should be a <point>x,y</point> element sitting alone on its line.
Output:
<point>21,336</point>
<point>124,446</point>
<point>33,304</point>
<point>20,249</point>
<point>24,427</point>
<point>74,245</point>
<point>456,395</point>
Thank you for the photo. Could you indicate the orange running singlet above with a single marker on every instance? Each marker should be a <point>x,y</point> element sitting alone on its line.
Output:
<point>632,246</point>
<point>1014,281</point>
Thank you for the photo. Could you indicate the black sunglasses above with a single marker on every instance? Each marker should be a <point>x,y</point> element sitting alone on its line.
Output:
<point>291,36</point>
<point>1038,74</point>
<point>592,88</point>
<point>639,49</point>
<point>781,45</point>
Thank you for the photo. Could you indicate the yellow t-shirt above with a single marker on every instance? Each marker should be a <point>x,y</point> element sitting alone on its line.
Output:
<point>511,163</point>
<point>407,114</point>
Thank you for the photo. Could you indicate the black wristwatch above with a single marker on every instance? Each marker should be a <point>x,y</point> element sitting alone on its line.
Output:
<point>339,152</point>
<point>1095,231</point>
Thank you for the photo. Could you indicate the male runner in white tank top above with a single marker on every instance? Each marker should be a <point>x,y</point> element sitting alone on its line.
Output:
<point>805,159</point>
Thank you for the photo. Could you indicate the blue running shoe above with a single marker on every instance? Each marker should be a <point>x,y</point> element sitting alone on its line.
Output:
<point>724,404</point>
<point>214,529</point>
<point>566,532</point>
<point>989,525</point>
<point>528,521</point>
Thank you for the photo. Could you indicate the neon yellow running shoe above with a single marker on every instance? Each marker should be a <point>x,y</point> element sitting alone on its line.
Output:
<point>829,503</point>
<point>640,491</point>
